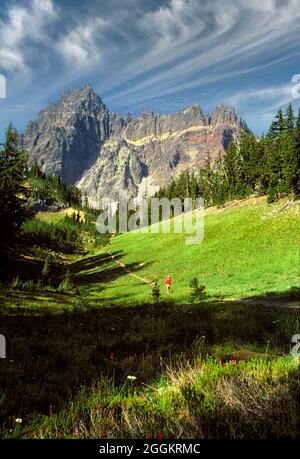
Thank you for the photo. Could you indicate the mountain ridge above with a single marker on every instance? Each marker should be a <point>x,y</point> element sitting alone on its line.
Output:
<point>78,138</point>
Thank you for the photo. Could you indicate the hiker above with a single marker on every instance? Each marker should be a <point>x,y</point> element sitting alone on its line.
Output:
<point>168,283</point>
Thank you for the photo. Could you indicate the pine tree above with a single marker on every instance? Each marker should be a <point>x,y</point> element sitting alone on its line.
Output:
<point>86,200</point>
<point>277,126</point>
<point>280,121</point>
<point>279,146</point>
<point>295,178</point>
<point>10,144</point>
<point>290,119</point>
<point>207,181</point>
<point>263,147</point>
<point>232,165</point>
<point>194,187</point>
<point>13,195</point>
<point>197,291</point>
<point>249,167</point>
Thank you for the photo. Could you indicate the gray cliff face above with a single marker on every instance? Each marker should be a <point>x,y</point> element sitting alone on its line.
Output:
<point>67,135</point>
<point>154,124</point>
<point>224,115</point>
<point>118,168</point>
<point>102,152</point>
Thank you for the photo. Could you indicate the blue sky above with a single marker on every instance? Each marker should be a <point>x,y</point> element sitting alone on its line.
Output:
<point>158,55</point>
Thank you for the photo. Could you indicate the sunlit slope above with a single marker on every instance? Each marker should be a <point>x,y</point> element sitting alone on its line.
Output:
<point>249,248</point>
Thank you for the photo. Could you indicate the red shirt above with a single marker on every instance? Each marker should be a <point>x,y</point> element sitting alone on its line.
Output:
<point>168,281</point>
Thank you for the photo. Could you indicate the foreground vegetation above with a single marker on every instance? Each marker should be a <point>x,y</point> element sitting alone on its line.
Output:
<point>205,370</point>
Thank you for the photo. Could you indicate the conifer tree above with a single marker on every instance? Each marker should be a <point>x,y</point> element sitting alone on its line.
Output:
<point>295,179</point>
<point>290,119</point>
<point>232,166</point>
<point>13,195</point>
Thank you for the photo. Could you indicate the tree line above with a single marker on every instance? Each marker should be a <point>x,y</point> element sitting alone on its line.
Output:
<point>268,165</point>
<point>51,187</point>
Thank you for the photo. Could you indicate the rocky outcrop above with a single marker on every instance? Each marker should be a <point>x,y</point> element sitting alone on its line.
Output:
<point>117,168</point>
<point>102,152</point>
<point>67,136</point>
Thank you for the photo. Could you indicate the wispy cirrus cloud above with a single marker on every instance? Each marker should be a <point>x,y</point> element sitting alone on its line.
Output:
<point>140,52</point>
<point>219,37</point>
<point>21,29</point>
<point>80,45</point>
<point>279,95</point>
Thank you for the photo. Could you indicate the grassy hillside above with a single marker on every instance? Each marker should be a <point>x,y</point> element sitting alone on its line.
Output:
<point>95,360</point>
<point>249,248</point>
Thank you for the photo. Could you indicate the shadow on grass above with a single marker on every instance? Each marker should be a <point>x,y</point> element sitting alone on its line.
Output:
<point>287,298</point>
<point>101,268</point>
<point>50,355</point>
<point>27,267</point>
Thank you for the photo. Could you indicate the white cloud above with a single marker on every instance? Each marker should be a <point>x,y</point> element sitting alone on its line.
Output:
<point>192,36</point>
<point>80,45</point>
<point>275,95</point>
<point>139,51</point>
<point>23,25</point>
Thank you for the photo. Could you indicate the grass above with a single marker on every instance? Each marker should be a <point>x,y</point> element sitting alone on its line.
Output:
<point>203,400</point>
<point>248,249</point>
<point>67,373</point>
<point>70,353</point>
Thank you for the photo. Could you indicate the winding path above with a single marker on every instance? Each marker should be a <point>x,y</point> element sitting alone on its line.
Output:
<point>129,272</point>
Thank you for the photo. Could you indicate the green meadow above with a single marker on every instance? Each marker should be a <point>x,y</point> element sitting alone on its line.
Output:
<point>249,249</point>
<point>91,355</point>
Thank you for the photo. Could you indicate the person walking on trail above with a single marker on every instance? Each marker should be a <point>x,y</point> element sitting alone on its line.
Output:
<point>168,283</point>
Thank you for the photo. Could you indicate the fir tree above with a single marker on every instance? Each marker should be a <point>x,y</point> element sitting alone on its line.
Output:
<point>13,195</point>
<point>290,119</point>
<point>232,165</point>
<point>295,178</point>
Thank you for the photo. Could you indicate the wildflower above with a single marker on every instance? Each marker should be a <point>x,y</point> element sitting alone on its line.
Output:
<point>112,356</point>
<point>160,436</point>
<point>131,378</point>
<point>18,420</point>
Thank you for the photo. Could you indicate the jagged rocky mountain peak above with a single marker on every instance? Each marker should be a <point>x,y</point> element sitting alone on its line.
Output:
<point>79,139</point>
<point>224,114</point>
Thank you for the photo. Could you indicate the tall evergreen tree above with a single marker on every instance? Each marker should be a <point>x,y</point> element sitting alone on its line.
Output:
<point>277,126</point>
<point>12,192</point>
<point>295,180</point>
<point>232,165</point>
<point>290,119</point>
